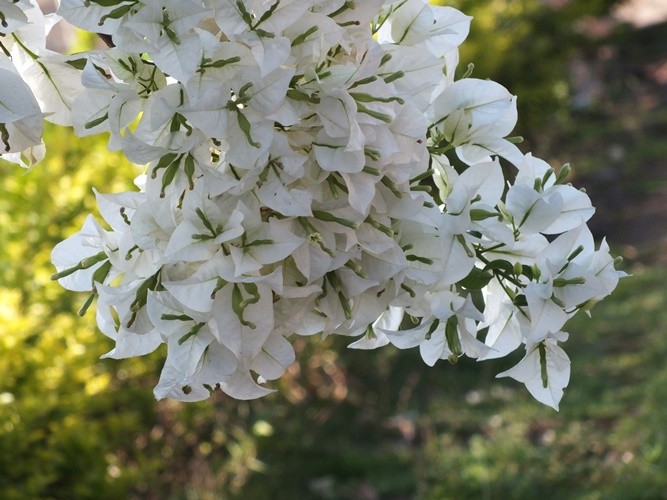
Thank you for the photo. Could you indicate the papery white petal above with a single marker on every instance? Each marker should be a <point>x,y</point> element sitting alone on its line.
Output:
<point>20,114</point>
<point>434,348</point>
<point>130,344</point>
<point>545,315</point>
<point>529,371</point>
<point>275,357</point>
<point>406,339</point>
<point>174,385</point>
<point>533,212</point>
<point>577,209</point>
<point>240,385</point>
<point>68,253</point>
<point>55,83</point>
<point>87,16</point>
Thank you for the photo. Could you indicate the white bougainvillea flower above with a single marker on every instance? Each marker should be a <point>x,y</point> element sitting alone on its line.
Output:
<point>21,118</point>
<point>78,257</point>
<point>13,15</point>
<point>554,210</point>
<point>504,321</point>
<point>56,84</point>
<point>415,23</point>
<point>475,116</point>
<point>91,16</point>
<point>290,149</point>
<point>374,337</point>
<point>531,211</point>
<point>545,370</point>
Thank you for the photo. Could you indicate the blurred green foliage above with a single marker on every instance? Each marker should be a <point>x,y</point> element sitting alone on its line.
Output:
<point>72,425</point>
<point>528,46</point>
<point>586,85</point>
<point>343,424</point>
<point>52,387</point>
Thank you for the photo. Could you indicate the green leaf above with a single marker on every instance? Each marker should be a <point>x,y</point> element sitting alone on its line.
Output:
<point>500,265</point>
<point>543,365</point>
<point>239,305</point>
<point>189,168</point>
<point>96,121</point>
<point>116,13</point>
<point>164,162</point>
<point>107,3</point>
<point>303,36</point>
<point>452,336</point>
<point>244,124</point>
<point>477,279</point>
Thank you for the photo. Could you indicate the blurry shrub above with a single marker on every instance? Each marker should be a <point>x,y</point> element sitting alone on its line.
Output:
<point>72,425</point>
<point>528,46</point>
<point>58,423</point>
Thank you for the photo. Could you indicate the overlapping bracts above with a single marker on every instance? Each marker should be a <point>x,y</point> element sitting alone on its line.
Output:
<point>300,181</point>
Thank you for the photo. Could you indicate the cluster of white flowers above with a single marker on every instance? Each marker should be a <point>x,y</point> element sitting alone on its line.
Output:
<point>313,167</point>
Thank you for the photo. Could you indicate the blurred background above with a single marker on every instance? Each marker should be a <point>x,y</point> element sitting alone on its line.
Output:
<point>591,76</point>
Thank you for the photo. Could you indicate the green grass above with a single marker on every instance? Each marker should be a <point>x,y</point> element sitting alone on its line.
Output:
<point>407,431</point>
<point>608,441</point>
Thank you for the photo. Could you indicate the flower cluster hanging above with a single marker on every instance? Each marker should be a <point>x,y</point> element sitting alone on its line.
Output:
<point>314,167</point>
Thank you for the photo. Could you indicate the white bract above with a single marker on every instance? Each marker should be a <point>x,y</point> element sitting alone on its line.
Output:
<point>312,167</point>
